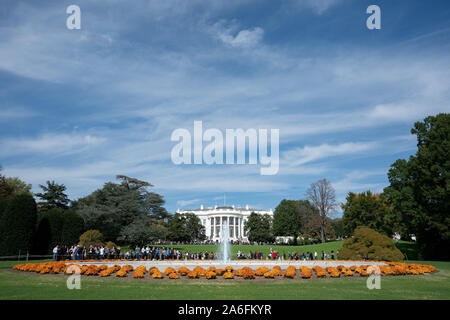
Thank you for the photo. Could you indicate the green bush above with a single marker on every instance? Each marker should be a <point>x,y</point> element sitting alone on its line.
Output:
<point>91,237</point>
<point>371,244</point>
<point>110,245</point>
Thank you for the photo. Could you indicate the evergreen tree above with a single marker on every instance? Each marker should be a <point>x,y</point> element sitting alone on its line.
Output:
<point>53,196</point>
<point>18,224</point>
<point>116,206</point>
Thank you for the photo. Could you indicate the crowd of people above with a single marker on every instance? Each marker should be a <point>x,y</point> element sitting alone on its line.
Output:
<point>273,254</point>
<point>164,253</point>
<point>78,252</point>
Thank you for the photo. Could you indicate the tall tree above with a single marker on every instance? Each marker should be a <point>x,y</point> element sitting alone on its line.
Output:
<point>366,210</point>
<point>176,227</point>
<point>258,228</point>
<point>116,206</point>
<point>420,187</point>
<point>322,196</point>
<point>17,225</point>
<point>53,196</point>
<point>194,227</point>
<point>290,217</point>
<point>185,227</point>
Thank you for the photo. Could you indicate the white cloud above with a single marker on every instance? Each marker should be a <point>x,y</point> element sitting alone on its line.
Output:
<point>14,113</point>
<point>50,144</point>
<point>184,203</point>
<point>318,6</point>
<point>307,154</point>
<point>245,38</point>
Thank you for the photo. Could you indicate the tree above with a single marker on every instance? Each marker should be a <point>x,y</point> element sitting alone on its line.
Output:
<point>72,228</point>
<point>338,226</point>
<point>313,228</point>
<point>322,196</point>
<point>259,228</point>
<point>57,226</point>
<point>176,227</point>
<point>185,227</point>
<point>18,224</point>
<point>370,244</point>
<point>290,217</point>
<point>116,206</point>
<point>366,209</point>
<point>53,196</point>
<point>420,190</point>
<point>194,227</point>
<point>11,186</point>
<point>91,237</point>
<point>143,230</point>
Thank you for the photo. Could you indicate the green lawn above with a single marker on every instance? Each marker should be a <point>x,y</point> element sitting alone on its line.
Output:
<point>24,285</point>
<point>326,247</point>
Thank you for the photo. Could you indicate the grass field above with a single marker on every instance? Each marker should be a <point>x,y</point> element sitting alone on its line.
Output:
<point>31,286</point>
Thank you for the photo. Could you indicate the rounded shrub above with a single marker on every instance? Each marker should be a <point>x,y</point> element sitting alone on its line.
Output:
<point>370,244</point>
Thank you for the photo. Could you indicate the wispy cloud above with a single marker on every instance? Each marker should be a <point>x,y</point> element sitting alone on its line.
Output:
<point>15,113</point>
<point>50,144</point>
<point>307,154</point>
<point>184,203</point>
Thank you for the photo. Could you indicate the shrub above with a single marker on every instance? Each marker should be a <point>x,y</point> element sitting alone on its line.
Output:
<point>371,244</point>
<point>93,237</point>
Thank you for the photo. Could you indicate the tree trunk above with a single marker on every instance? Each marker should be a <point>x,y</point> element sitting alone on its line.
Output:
<point>322,233</point>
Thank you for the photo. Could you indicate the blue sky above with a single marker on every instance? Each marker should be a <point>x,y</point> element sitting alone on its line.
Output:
<point>81,106</point>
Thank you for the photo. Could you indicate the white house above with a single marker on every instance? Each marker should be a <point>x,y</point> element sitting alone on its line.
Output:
<point>214,218</point>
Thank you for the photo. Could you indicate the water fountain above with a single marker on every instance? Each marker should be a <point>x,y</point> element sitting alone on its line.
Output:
<point>225,253</point>
<point>225,259</point>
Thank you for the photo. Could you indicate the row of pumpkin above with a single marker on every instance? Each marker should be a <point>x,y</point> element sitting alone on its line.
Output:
<point>228,272</point>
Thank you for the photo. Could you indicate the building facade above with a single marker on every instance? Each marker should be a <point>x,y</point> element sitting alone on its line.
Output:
<point>214,218</point>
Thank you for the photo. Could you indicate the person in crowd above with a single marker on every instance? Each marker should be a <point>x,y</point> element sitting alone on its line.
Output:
<point>55,253</point>
<point>137,251</point>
